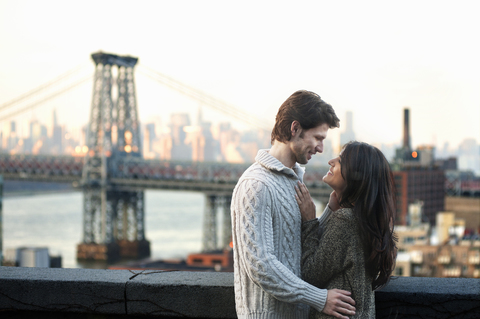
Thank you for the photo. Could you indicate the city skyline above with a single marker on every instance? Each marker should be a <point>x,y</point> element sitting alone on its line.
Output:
<point>373,59</point>
<point>186,137</point>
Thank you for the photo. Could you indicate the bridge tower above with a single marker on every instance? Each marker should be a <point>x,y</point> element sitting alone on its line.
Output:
<point>113,217</point>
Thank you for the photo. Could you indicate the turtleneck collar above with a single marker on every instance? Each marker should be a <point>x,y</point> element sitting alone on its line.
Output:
<point>269,162</point>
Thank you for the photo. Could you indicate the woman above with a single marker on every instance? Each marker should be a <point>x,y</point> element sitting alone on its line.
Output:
<point>352,246</point>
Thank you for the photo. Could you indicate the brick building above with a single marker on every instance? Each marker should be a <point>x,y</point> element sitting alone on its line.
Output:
<point>426,184</point>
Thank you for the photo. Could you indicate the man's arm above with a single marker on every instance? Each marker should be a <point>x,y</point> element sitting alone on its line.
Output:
<point>253,235</point>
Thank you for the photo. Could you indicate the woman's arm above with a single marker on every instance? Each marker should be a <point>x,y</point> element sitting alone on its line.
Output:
<point>324,258</point>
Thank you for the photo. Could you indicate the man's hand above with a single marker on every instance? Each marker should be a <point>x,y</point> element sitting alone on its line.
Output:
<point>339,304</point>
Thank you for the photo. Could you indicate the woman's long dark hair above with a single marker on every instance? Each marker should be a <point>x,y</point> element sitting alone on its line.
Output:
<point>370,192</point>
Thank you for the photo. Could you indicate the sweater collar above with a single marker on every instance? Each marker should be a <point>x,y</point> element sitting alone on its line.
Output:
<point>269,162</point>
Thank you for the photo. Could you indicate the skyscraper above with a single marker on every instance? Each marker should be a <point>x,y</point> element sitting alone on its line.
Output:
<point>348,134</point>
<point>12,138</point>
<point>57,135</point>
<point>178,122</point>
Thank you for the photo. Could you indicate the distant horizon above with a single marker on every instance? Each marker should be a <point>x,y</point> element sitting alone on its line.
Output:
<point>4,128</point>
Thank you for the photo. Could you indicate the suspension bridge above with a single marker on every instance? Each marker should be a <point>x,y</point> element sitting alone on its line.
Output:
<point>113,173</point>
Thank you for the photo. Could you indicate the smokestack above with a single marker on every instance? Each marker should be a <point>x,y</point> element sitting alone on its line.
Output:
<point>406,129</point>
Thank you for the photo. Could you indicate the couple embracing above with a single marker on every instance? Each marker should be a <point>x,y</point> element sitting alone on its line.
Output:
<point>290,264</point>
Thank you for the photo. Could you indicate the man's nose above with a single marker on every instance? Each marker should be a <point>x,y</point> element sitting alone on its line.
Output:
<point>319,148</point>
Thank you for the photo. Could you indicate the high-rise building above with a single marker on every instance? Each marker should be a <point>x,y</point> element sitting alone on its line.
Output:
<point>348,134</point>
<point>195,139</point>
<point>180,150</point>
<point>38,137</point>
<point>469,155</point>
<point>57,135</point>
<point>149,137</point>
<point>199,137</point>
<point>164,146</point>
<point>12,137</point>
<point>420,184</point>
<point>13,126</point>
<point>229,139</point>
<point>211,146</point>
<point>417,178</point>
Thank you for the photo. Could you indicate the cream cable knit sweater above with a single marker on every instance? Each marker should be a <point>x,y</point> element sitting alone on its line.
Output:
<point>266,233</point>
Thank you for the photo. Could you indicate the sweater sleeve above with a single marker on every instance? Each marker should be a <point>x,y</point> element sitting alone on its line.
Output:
<point>326,214</point>
<point>323,257</point>
<point>253,233</point>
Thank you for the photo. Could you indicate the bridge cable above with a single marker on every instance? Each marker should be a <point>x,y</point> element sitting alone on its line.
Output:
<point>42,87</point>
<point>51,96</point>
<point>203,98</point>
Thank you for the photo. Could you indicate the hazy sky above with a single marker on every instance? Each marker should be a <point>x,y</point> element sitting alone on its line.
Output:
<point>369,57</point>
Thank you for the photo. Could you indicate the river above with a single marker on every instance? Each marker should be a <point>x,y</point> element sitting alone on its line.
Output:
<point>173,222</point>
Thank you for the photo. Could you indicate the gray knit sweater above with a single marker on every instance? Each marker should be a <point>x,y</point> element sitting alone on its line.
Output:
<point>266,226</point>
<point>334,258</point>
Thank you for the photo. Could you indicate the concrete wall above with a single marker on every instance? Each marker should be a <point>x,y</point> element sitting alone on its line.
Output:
<point>90,293</point>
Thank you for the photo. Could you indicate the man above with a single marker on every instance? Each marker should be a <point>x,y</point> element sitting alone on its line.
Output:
<point>266,221</point>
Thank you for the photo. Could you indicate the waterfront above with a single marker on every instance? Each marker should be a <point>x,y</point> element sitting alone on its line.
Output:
<point>173,222</point>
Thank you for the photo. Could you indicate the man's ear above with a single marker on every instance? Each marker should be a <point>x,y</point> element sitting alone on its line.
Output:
<point>295,128</point>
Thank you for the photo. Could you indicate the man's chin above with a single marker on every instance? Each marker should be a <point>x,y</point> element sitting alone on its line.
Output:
<point>303,161</point>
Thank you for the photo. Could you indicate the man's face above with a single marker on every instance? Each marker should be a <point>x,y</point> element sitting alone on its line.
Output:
<point>306,143</point>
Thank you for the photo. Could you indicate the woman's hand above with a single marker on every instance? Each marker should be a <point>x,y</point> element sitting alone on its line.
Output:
<point>333,201</point>
<point>305,202</point>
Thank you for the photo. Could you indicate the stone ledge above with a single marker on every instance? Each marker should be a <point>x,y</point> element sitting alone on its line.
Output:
<point>117,292</point>
<point>71,293</point>
<point>421,297</point>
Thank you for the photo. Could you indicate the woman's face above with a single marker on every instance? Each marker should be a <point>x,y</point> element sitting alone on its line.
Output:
<point>334,177</point>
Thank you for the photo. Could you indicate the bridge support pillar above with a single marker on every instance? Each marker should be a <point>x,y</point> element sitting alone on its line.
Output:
<point>210,229</point>
<point>227,222</point>
<point>210,223</point>
<point>113,225</point>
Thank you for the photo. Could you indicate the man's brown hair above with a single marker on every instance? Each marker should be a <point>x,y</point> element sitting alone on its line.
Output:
<point>308,109</point>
